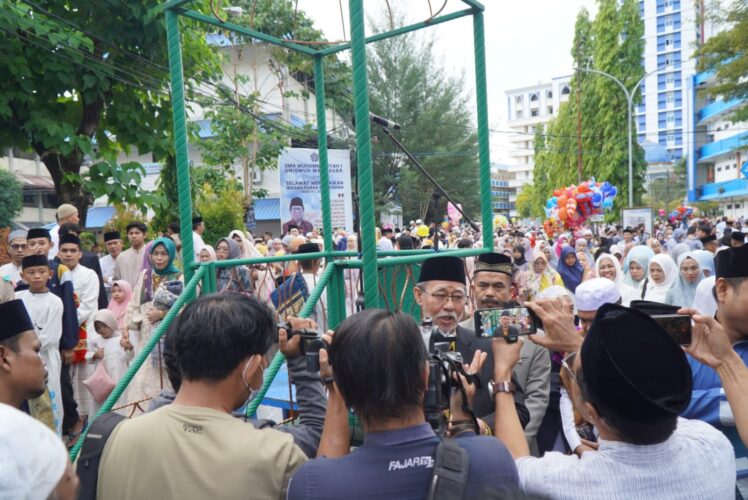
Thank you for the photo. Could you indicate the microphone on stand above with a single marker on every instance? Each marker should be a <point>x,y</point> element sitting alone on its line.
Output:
<point>383,121</point>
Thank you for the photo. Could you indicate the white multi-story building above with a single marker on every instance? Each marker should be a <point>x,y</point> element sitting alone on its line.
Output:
<point>672,30</point>
<point>528,107</point>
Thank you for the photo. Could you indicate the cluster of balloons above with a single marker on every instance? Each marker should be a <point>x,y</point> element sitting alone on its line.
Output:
<point>500,221</point>
<point>680,213</point>
<point>570,206</point>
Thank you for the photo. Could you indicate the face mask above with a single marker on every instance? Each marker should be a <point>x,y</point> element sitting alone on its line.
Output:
<point>252,392</point>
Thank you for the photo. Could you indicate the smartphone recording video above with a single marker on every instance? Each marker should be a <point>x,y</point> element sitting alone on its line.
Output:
<point>504,322</point>
<point>677,326</point>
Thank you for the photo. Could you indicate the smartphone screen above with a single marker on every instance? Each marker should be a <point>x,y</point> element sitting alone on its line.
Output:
<point>676,325</point>
<point>504,322</point>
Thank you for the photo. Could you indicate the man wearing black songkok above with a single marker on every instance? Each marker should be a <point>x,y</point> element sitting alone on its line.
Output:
<point>442,295</point>
<point>492,287</point>
<point>22,372</point>
<point>631,380</point>
<point>709,399</point>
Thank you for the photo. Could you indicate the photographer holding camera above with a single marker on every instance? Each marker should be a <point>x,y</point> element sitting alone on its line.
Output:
<point>381,370</point>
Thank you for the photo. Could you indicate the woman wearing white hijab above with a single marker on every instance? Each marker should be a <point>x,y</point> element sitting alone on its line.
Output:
<point>608,267</point>
<point>264,281</point>
<point>689,276</point>
<point>662,274</point>
<point>33,461</point>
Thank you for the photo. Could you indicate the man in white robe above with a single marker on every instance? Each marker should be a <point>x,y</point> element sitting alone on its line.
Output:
<point>16,249</point>
<point>86,285</point>
<point>130,262</point>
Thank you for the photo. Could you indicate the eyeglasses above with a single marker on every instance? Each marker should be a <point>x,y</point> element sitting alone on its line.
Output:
<point>565,364</point>
<point>441,297</point>
<point>18,247</point>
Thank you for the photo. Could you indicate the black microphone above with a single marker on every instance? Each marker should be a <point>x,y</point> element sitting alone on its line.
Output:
<point>383,121</point>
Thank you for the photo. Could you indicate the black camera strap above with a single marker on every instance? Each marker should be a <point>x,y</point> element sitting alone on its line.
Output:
<point>451,467</point>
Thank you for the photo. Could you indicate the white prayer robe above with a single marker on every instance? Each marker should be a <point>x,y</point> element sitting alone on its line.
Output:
<point>86,286</point>
<point>197,245</point>
<point>45,310</point>
<point>107,269</point>
<point>116,360</point>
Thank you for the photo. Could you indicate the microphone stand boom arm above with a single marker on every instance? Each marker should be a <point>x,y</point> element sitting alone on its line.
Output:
<point>429,177</point>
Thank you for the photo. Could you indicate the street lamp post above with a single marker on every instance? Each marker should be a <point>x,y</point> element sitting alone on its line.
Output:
<point>630,100</point>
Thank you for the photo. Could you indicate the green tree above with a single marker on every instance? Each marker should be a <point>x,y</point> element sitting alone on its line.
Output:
<point>668,191</point>
<point>612,43</point>
<point>91,81</point>
<point>726,54</point>
<point>408,85</point>
<point>11,198</point>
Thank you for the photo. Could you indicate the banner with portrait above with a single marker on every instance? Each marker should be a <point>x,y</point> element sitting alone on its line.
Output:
<point>300,192</point>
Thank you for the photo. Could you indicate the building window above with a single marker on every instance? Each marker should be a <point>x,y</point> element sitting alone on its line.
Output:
<point>668,42</point>
<point>729,207</point>
<point>671,139</point>
<point>534,112</point>
<point>719,169</point>
<point>550,110</point>
<point>670,118</point>
<point>519,114</point>
<point>669,80</point>
<point>670,99</point>
<point>566,90</point>
<point>29,199</point>
<point>534,97</point>
<point>549,94</point>
<point>668,23</point>
<point>518,100</point>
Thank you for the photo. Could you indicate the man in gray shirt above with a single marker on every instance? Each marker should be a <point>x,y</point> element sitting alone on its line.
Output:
<point>492,286</point>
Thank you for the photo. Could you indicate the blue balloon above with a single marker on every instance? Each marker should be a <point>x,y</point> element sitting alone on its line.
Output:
<point>597,198</point>
<point>613,192</point>
<point>608,203</point>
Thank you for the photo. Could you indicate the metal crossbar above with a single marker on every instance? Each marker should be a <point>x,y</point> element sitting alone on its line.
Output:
<point>369,260</point>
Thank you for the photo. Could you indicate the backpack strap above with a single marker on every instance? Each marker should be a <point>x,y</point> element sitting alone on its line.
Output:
<point>91,452</point>
<point>451,467</point>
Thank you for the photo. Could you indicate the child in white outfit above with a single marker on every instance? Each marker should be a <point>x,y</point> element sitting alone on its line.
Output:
<point>106,346</point>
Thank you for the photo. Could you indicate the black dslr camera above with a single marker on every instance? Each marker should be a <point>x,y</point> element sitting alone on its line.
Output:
<point>444,368</point>
<point>309,346</point>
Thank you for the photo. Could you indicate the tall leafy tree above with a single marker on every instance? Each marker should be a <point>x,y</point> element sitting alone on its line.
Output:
<point>11,198</point>
<point>726,54</point>
<point>612,43</point>
<point>90,79</point>
<point>407,84</point>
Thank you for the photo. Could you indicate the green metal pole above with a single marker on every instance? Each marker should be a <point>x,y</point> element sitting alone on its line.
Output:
<point>180,141</point>
<point>187,295</point>
<point>484,156</point>
<point>324,182</point>
<point>363,153</point>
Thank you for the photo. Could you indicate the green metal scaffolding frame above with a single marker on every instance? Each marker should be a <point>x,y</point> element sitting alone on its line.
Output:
<point>367,261</point>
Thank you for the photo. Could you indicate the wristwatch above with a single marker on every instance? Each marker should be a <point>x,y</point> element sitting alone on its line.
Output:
<point>497,387</point>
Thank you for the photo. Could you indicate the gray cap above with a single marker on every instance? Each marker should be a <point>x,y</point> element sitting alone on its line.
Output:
<point>18,233</point>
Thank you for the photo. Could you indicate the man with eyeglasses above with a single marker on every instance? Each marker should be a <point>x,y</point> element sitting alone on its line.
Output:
<point>17,251</point>
<point>442,295</point>
<point>492,288</point>
<point>631,380</point>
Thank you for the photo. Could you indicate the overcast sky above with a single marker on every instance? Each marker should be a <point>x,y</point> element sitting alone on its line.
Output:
<point>527,41</point>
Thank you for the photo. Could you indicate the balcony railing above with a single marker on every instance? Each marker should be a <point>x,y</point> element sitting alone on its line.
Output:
<point>714,149</point>
<point>726,189</point>
<point>716,108</point>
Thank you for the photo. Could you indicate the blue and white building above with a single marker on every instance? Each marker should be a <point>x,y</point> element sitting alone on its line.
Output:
<point>671,32</point>
<point>718,161</point>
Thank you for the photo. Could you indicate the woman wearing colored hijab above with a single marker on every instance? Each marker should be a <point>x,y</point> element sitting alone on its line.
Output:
<point>636,266</point>
<point>608,267</point>
<point>679,250</point>
<point>539,276</point>
<point>520,263</point>
<point>689,276</point>
<point>207,254</point>
<point>264,281</point>
<point>662,275</point>
<point>706,262</point>
<point>158,275</point>
<point>570,269</point>
<point>232,279</point>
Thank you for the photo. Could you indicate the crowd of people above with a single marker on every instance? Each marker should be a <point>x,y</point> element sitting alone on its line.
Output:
<point>599,401</point>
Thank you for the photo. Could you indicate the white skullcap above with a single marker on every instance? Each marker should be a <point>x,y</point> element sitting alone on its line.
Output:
<point>419,221</point>
<point>32,457</point>
<point>592,294</point>
<point>586,232</point>
<point>580,240</point>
